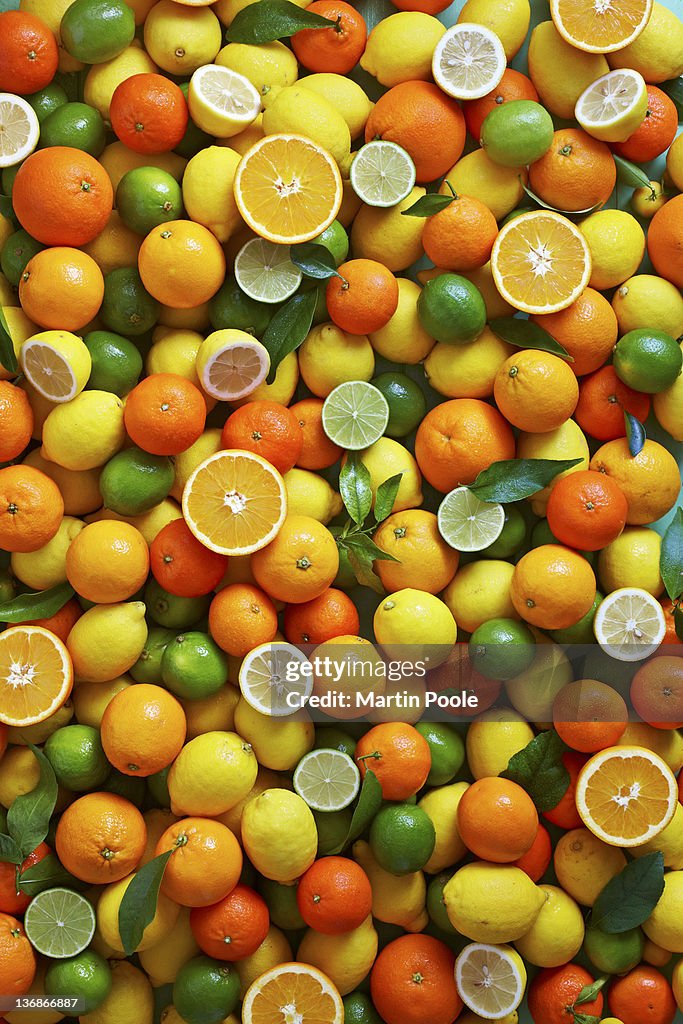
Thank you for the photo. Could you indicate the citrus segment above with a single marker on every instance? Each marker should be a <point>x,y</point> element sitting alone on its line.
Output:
<point>222,102</point>
<point>598,27</point>
<point>305,992</point>
<point>468,61</point>
<point>36,675</point>
<point>630,624</point>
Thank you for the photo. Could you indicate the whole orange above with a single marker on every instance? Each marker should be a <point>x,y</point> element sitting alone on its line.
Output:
<point>577,173</point>
<point>31,508</point>
<point>299,564</point>
<point>413,981</point>
<point>317,451</point>
<point>586,510</point>
<point>603,400</point>
<point>336,49</point>
<point>656,133</point>
<point>148,113</point>
<point>101,838</point>
<point>565,813</point>
<point>17,959</point>
<point>497,820</point>
<point>535,391</point>
<point>459,438</point>
<point>206,862</point>
<point>165,414</point>
<point>665,241</point>
<point>671,636</point>
<point>62,196</point>
<point>28,53</point>
<point>107,561</point>
<point>552,587</point>
<point>512,86</point>
<point>657,692</point>
<point>268,429</point>
<point>643,996</point>
<point>16,421</point>
<point>398,755</point>
<point>554,991</point>
<point>143,729</point>
<point>650,480</point>
<point>334,895</point>
<point>13,900</point>
<point>424,560</point>
<point>587,329</point>
<point>363,297</point>
<point>241,616</point>
<point>61,288</point>
<point>536,861</point>
<point>589,715</point>
<point>461,236</point>
<point>232,928</point>
<point>331,614</point>
<point>181,264</point>
<point>182,565</point>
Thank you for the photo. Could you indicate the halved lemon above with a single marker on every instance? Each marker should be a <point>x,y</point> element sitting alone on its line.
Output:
<point>57,364</point>
<point>235,502</point>
<point>613,106</point>
<point>490,979</point>
<point>221,101</point>
<point>287,188</point>
<point>36,675</point>
<point>292,992</point>
<point>274,679</point>
<point>600,26</point>
<point>626,795</point>
<point>468,61</point>
<point>19,129</point>
<point>540,262</point>
<point>629,624</point>
<point>231,364</point>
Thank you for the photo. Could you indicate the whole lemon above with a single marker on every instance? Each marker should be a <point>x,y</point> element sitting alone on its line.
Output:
<point>646,301</point>
<point>663,926</point>
<point>403,339</point>
<point>211,774</point>
<point>395,900</point>
<point>273,951</point>
<point>107,640</point>
<point>565,442</point>
<point>617,244</point>
<point>108,916</point>
<point>346,959</point>
<point>668,408</point>
<point>131,1000</point>
<point>345,95</point>
<point>493,738</point>
<point>556,936</point>
<point>492,902</point>
<point>386,458</point>
<point>86,432</point>
<point>102,79</point>
<point>310,494</point>
<point>46,567</point>
<point>330,356</point>
<point>279,744</point>
<point>584,865</point>
<point>415,622</point>
<point>400,47</point>
<point>386,235</point>
<point>657,53</point>
<point>467,371</point>
<point>163,960</point>
<point>559,71</point>
<point>442,807</point>
<point>509,21</point>
<point>181,39</point>
<point>279,835</point>
<point>632,560</point>
<point>480,591</point>
<point>269,67</point>
<point>303,112</point>
<point>207,190</point>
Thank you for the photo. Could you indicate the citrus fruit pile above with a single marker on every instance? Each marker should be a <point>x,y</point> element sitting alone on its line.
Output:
<point>332,335</point>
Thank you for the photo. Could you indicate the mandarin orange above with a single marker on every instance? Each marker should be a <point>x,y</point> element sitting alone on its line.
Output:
<point>458,439</point>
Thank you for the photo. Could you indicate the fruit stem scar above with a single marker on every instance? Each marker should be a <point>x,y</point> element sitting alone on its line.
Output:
<point>12,508</point>
<point>181,840</point>
<point>418,978</point>
<point>107,853</point>
<point>304,563</point>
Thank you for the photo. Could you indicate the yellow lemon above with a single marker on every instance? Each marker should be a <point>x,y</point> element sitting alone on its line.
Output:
<point>212,714</point>
<point>282,388</point>
<point>386,235</point>
<point>632,560</point>
<point>117,160</point>
<point>303,112</point>
<point>668,408</point>
<point>677,983</point>
<point>493,738</point>
<point>186,462</point>
<point>509,21</point>
<point>400,901</point>
<point>480,591</point>
<point>584,865</point>
<point>279,744</point>
<point>41,731</point>
<point>311,495</point>
<point>663,926</point>
<point>617,244</point>
<point>107,640</point>
<point>657,53</point>
<point>345,95</point>
<point>559,71</point>
<point>386,458</point>
<point>116,245</point>
<point>211,774</point>
<point>174,350</point>
<point>492,902</point>
<point>273,951</point>
<point>417,619</point>
<point>227,9</point>
<point>46,567</point>
<point>102,80</point>
<point>565,442</point>
<point>20,328</point>
<point>163,960</point>
<point>86,432</point>
<point>400,48</point>
<point>668,743</point>
<point>442,807</point>
<point>131,1000</point>
<point>498,187</point>
<point>279,835</point>
<point>19,774</point>
<point>650,302</point>
<point>669,842</point>
<point>108,916</point>
<point>148,523</point>
<point>556,936</point>
<point>265,779</point>
<point>330,356</point>
<point>346,959</point>
<point>467,371</point>
<point>268,66</point>
<point>207,190</point>
<point>532,693</point>
<point>157,820</point>
<point>403,339</point>
<point>90,700</point>
<point>181,39</point>
<point>674,163</point>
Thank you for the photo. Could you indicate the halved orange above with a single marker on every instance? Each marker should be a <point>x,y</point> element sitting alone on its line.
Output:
<point>626,795</point>
<point>540,262</point>
<point>287,188</point>
<point>600,26</point>
<point>307,994</point>
<point>235,502</point>
<point>36,675</point>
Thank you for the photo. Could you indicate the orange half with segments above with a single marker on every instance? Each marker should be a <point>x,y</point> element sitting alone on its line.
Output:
<point>308,995</point>
<point>235,502</point>
<point>600,26</point>
<point>288,189</point>
<point>36,675</point>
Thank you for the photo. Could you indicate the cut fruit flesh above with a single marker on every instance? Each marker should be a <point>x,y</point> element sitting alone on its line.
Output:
<point>265,271</point>
<point>469,61</point>
<point>613,106</point>
<point>600,26</point>
<point>19,129</point>
<point>60,923</point>
<point>629,624</point>
<point>235,371</point>
<point>382,173</point>
<point>355,415</point>
<point>48,371</point>
<point>327,780</point>
<point>489,979</point>
<point>307,994</point>
<point>264,680</point>
<point>36,675</point>
<point>467,523</point>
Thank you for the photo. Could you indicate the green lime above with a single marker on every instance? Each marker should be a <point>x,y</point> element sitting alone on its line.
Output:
<point>502,648</point>
<point>231,307</point>
<point>116,363</point>
<point>447,750</point>
<point>86,976</point>
<point>335,240</point>
<point>402,838</point>
<point>359,1009</point>
<point>127,786</point>
<point>147,669</point>
<point>512,537</point>
<point>407,403</point>
<point>133,481</point>
<point>7,587</point>
<point>333,828</point>
<point>452,309</point>
<point>206,991</point>
<point>648,360</point>
<point>74,124</point>
<point>613,953</point>
<point>127,306</point>
<point>171,611</point>
<point>77,758</point>
<point>582,631</point>
<point>19,248</point>
<point>355,415</point>
<point>513,214</point>
<point>97,30</point>
<point>346,577</point>
<point>148,196</point>
<point>330,737</point>
<point>517,133</point>
<point>59,923</point>
<point>157,786</point>
<point>193,666</point>
<point>46,100</point>
<point>436,907</point>
<point>282,904</point>
<point>194,138</point>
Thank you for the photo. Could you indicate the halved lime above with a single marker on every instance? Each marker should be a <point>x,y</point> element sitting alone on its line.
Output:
<point>467,523</point>
<point>275,679</point>
<point>19,129</point>
<point>265,272</point>
<point>468,61</point>
<point>629,624</point>
<point>328,780</point>
<point>355,415</point>
<point>382,173</point>
<point>59,923</point>
<point>613,106</point>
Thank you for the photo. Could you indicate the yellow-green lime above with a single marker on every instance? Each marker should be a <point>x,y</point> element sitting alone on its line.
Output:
<point>127,306</point>
<point>59,923</point>
<point>77,758</point>
<point>502,648</point>
<point>406,400</point>
<point>147,669</point>
<point>512,536</point>
<point>612,953</point>
<point>147,197</point>
<point>436,906</point>
<point>116,362</point>
<point>451,309</point>
<point>467,523</point>
<point>17,250</point>
<point>517,133</point>
<point>86,976</point>
<point>134,481</point>
<point>282,904</point>
<point>359,1009</point>
<point>648,360</point>
<point>382,173</point>
<point>193,666</point>
<point>47,100</point>
<point>170,610</point>
<point>355,415</point>
<point>232,307</point>
<point>74,124</point>
<point>447,751</point>
<point>95,31</point>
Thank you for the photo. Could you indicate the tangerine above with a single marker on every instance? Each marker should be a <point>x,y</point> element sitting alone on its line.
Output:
<point>587,329</point>
<point>552,587</point>
<point>363,297</point>
<point>337,49</point>
<point>31,508</point>
<point>497,820</point>
<point>16,421</point>
<point>331,614</point>
<point>655,134</point>
<point>182,565</point>
<point>241,617</point>
<point>413,981</point>
<point>576,173</point>
<point>586,510</point>
<point>461,236</point>
<point>603,400</point>
<point>317,451</point>
<point>61,288</point>
<point>28,53</point>
<point>458,439</point>
<point>143,730</point>
<point>268,429</point>
<point>148,113</point>
<point>334,895</point>
<point>589,715</point>
<point>398,755</point>
<point>299,564</point>
<point>232,928</point>
<point>165,414</point>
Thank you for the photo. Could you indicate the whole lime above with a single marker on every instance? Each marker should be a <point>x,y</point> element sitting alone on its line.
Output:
<point>116,363</point>
<point>19,248</point>
<point>206,991</point>
<point>134,481</point>
<point>127,306</point>
<point>232,308</point>
<point>517,133</point>
<point>172,611</point>
<point>333,828</point>
<point>512,537</point>
<point>74,124</point>
<point>402,838</point>
<point>46,100</point>
<point>86,976</point>
<point>148,196</point>
<point>613,953</point>
<point>194,138</point>
<point>436,907</point>
<point>94,31</point>
<point>452,309</point>
<point>282,905</point>
<point>77,758</point>
<point>447,750</point>
<point>193,666</point>
<point>335,239</point>
<point>502,648</point>
<point>127,786</point>
<point>330,737</point>
<point>406,401</point>
<point>157,786</point>
<point>359,1009</point>
<point>147,669</point>
<point>648,360</point>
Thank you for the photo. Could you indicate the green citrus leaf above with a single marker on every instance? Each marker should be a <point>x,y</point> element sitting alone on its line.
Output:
<point>514,479</point>
<point>631,896</point>
<point>671,557</point>
<point>386,496</point>
<point>313,260</point>
<point>525,334</point>
<point>40,604</point>
<point>630,174</point>
<point>9,851</point>
<point>590,992</point>
<point>48,873</point>
<point>28,819</point>
<point>292,322</point>
<point>635,434</point>
<point>674,89</point>
<point>8,357</point>
<point>539,770</point>
<point>139,903</point>
<point>427,206</point>
<point>355,488</point>
<point>678,622</point>
<point>272,19</point>
<point>369,802</point>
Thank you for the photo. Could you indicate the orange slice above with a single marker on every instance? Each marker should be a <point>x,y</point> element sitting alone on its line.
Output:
<point>626,795</point>
<point>36,675</point>
<point>287,188</point>
<point>600,26</point>
<point>540,262</point>
<point>235,502</point>
<point>307,994</point>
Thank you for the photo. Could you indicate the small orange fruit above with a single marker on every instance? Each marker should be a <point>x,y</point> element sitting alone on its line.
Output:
<point>334,895</point>
<point>206,862</point>
<point>603,400</point>
<point>13,900</point>
<point>650,480</point>
<point>31,508</point>
<point>16,421</point>
<point>552,587</point>
<point>536,860</point>
<point>643,996</point>
<point>182,565</point>
<point>665,241</point>
<point>165,414</point>
<point>338,48</point>
<point>424,560</point>
<point>317,451</point>
<point>586,510</point>
<point>512,86</point>
<point>61,288</point>
<point>587,329</point>
<point>565,814</point>
<point>28,53</point>
<point>17,959</point>
<point>535,391</point>
<point>497,820</point>
<point>241,616</point>
<point>657,692</point>
<point>556,988</point>
<point>459,438</point>
<point>363,297</point>
<point>234,927</point>
<point>143,729</point>
<point>671,636</point>
<point>398,755</point>
<point>461,236</point>
<point>413,981</point>
<point>148,113</point>
<point>299,564</point>
<point>331,614</point>
<point>101,838</point>
<point>589,715</point>
<point>655,134</point>
<point>577,173</point>
<point>62,622</point>
<point>181,264</point>
<point>268,429</point>
<point>107,561</point>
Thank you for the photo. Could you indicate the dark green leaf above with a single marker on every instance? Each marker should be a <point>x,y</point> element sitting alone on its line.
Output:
<point>539,770</point>
<point>427,206</point>
<point>590,992</point>
<point>313,260</point>
<point>8,357</point>
<point>38,605</point>
<point>525,334</point>
<point>678,622</point>
<point>671,557</point>
<point>635,434</point>
<point>355,487</point>
<point>514,479</point>
<point>386,496</point>
<point>361,542</point>
<point>556,209</point>
<point>139,903</point>
<point>362,564</point>
<point>629,898</point>
<point>272,19</point>
<point>6,208</point>
<point>9,851</point>
<point>585,1018</point>
<point>674,89</point>
<point>46,874</point>
<point>630,174</point>
<point>292,322</point>
<point>28,819</point>
<point>369,802</point>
